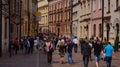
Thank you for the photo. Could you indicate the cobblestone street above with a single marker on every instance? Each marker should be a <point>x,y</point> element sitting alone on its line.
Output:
<point>31,60</point>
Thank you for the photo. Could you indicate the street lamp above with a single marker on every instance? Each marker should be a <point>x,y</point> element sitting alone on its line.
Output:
<point>28,7</point>
<point>102,19</point>
<point>0,28</point>
<point>21,19</point>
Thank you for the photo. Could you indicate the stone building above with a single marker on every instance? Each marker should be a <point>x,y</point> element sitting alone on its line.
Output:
<point>29,8</point>
<point>76,18</point>
<point>111,20</point>
<point>43,22</point>
<point>60,17</point>
<point>14,21</point>
<point>85,22</point>
<point>97,18</point>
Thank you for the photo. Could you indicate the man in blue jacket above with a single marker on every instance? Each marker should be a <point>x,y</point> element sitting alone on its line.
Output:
<point>109,51</point>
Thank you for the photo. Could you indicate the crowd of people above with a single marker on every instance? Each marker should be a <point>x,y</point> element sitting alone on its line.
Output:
<point>26,45</point>
<point>66,46</point>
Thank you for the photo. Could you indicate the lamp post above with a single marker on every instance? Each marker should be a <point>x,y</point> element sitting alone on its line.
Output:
<point>21,20</point>
<point>102,19</point>
<point>0,28</point>
<point>91,17</point>
<point>28,7</point>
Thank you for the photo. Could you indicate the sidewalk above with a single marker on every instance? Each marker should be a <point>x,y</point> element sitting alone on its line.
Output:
<point>31,60</point>
<point>22,60</point>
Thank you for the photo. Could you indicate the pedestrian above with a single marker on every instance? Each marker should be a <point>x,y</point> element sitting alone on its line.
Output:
<point>21,44</point>
<point>97,49</point>
<point>75,41</point>
<point>109,51</point>
<point>27,46</point>
<point>56,40</point>
<point>49,50</point>
<point>69,50</point>
<point>85,51</point>
<point>35,44</point>
<point>91,45</point>
<point>62,51</point>
<point>16,45</point>
<point>31,40</point>
<point>11,48</point>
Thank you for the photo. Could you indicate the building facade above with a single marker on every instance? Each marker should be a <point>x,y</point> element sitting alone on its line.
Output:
<point>14,21</point>
<point>29,8</point>
<point>85,22</point>
<point>43,22</point>
<point>111,20</point>
<point>60,17</point>
<point>76,18</point>
<point>97,18</point>
<point>4,26</point>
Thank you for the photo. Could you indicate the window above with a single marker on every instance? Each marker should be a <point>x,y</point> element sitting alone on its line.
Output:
<point>68,3</point>
<point>57,17</point>
<point>88,8</point>
<point>94,28</point>
<point>60,16</point>
<point>100,4</point>
<point>100,30</point>
<point>53,18</point>
<point>94,5</point>
<point>117,5</point>
<point>60,5</point>
<point>68,15</point>
<point>108,6</point>
<point>65,4</point>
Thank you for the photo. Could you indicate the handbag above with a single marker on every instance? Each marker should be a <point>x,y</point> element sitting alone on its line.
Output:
<point>51,50</point>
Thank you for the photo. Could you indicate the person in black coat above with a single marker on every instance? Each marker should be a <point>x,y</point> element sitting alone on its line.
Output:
<point>86,50</point>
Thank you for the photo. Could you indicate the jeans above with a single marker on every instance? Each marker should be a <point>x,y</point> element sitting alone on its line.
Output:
<point>97,58</point>
<point>49,57</point>
<point>108,61</point>
<point>75,48</point>
<point>86,60</point>
<point>70,59</point>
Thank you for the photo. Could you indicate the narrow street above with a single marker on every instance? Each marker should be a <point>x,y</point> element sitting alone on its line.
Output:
<point>31,60</point>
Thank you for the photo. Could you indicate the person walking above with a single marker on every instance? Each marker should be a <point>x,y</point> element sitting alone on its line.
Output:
<point>109,51</point>
<point>75,41</point>
<point>97,49</point>
<point>11,48</point>
<point>62,51</point>
<point>49,50</point>
<point>27,46</point>
<point>16,45</point>
<point>85,51</point>
<point>31,40</point>
<point>35,44</point>
<point>69,50</point>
